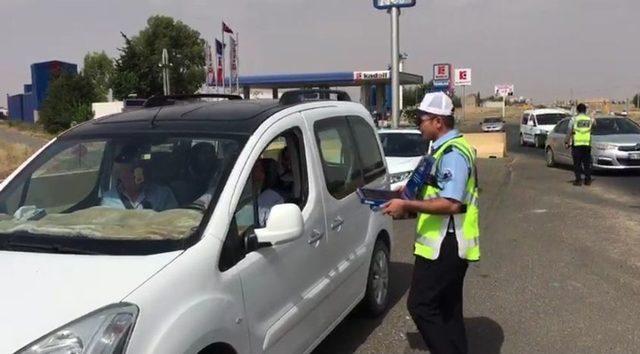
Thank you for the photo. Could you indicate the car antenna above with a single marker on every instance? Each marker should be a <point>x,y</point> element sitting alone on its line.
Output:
<point>153,120</point>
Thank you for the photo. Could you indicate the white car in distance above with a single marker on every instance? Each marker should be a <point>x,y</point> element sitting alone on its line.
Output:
<point>403,149</point>
<point>536,124</point>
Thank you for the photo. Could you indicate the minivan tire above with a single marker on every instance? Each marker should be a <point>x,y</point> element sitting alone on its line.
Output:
<point>376,297</point>
<point>550,158</point>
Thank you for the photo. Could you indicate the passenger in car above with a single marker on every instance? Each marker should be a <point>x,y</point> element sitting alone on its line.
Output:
<point>285,174</point>
<point>265,178</point>
<point>132,190</point>
<point>202,166</point>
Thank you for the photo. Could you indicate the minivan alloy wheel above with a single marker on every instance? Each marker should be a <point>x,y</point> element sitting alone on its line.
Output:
<point>380,277</point>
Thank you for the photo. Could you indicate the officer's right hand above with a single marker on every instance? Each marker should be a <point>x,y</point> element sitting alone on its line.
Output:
<point>394,208</point>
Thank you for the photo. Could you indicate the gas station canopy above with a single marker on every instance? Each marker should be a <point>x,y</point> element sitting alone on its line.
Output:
<point>331,79</point>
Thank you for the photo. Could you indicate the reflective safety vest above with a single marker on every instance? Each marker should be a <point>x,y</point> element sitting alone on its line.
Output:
<point>432,229</point>
<point>582,130</point>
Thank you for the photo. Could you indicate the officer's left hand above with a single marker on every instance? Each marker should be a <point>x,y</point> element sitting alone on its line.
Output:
<point>395,208</point>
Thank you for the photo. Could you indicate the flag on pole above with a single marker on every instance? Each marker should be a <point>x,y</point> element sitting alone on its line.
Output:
<point>219,68</point>
<point>233,59</point>
<point>209,72</point>
<point>226,29</point>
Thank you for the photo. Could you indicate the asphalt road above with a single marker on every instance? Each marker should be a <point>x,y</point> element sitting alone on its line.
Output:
<point>560,271</point>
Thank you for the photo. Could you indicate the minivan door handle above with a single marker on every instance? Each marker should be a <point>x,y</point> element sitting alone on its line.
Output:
<point>315,236</point>
<point>337,223</point>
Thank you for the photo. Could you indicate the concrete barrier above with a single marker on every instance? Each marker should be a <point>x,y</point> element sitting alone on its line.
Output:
<point>488,145</point>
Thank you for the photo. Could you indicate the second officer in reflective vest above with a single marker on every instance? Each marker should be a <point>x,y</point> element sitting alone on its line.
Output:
<point>447,231</point>
<point>579,137</point>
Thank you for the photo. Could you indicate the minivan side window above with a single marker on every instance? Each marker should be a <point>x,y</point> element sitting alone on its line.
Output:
<point>278,176</point>
<point>368,150</point>
<point>342,172</point>
<point>525,118</point>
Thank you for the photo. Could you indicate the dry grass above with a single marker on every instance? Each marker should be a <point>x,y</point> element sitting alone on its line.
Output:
<point>11,156</point>
<point>33,130</point>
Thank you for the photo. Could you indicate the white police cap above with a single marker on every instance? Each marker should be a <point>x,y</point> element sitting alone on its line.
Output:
<point>437,103</point>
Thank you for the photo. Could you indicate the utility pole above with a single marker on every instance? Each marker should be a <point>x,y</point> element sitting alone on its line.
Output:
<point>395,66</point>
<point>166,84</point>
<point>393,8</point>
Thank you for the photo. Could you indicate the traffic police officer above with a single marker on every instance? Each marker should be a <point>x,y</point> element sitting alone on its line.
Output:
<point>579,137</point>
<point>447,230</point>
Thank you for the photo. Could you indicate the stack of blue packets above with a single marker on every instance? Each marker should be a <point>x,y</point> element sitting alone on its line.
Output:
<point>375,198</point>
<point>419,177</point>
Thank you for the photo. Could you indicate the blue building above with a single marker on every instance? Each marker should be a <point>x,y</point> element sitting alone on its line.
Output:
<point>25,106</point>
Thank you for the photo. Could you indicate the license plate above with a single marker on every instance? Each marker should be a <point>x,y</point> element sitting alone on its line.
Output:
<point>634,156</point>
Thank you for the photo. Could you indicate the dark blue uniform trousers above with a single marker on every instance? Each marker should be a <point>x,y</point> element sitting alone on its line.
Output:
<point>435,299</point>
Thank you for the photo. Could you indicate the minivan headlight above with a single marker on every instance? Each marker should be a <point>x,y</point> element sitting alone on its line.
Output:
<point>399,177</point>
<point>105,331</point>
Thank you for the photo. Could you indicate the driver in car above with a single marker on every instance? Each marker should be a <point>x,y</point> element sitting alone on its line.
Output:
<point>132,191</point>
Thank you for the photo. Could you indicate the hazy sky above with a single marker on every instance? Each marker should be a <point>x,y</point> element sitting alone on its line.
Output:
<point>546,48</point>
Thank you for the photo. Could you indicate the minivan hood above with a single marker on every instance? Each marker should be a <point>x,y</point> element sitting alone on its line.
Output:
<point>42,291</point>
<point>402,164</point>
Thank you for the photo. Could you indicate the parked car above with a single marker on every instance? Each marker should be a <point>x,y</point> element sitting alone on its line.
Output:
<point>536,125</point>
<point>615,144</point>
<point>252,240</point>
<point>403,149</point>
<point>492,125</point>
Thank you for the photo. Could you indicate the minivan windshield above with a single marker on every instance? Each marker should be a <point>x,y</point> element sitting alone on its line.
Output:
<point>403,144</point>
<point>142,188</point>
<point>613,126</point>
<point>550,118</point>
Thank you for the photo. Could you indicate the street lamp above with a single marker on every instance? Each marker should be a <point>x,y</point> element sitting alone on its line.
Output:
<point>393,7</point>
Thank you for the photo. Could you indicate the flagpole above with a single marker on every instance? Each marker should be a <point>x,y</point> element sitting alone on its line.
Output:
<point>223,61</point>
<point>215,71</point>
<point>237,62</point>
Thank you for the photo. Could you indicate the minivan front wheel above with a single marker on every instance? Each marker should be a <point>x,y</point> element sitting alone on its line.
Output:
<point>551,160</point>
<point>376,297</point>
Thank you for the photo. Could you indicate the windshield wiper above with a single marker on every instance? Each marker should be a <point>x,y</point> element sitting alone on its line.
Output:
<point>44,247</point>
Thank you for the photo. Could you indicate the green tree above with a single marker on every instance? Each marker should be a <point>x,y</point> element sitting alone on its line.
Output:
<point>68,101</point>
<point>98,68</point>
<point>413,95</point>
<point>137,71</point>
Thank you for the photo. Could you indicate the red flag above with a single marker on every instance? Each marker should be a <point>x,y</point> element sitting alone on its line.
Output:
<point>226,28</point>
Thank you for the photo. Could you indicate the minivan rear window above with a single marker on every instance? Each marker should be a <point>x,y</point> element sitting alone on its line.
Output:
<point>368,150</point>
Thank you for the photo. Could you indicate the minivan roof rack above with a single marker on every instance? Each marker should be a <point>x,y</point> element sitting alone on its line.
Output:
<point>169,100</point>
<point>299,96</point>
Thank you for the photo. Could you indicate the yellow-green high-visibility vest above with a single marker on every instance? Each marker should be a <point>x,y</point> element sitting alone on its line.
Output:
<point>432,229</point>
<point>582,130</point>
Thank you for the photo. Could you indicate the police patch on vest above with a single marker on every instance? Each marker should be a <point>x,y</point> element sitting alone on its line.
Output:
<point>583,123</point>
<point>447,175</point>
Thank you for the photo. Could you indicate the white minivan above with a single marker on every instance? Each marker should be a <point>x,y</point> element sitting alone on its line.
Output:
<point>537,123</point>
<point>195,226</point>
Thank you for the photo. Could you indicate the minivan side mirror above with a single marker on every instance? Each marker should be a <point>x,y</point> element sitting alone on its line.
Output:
<point>285,224</point>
